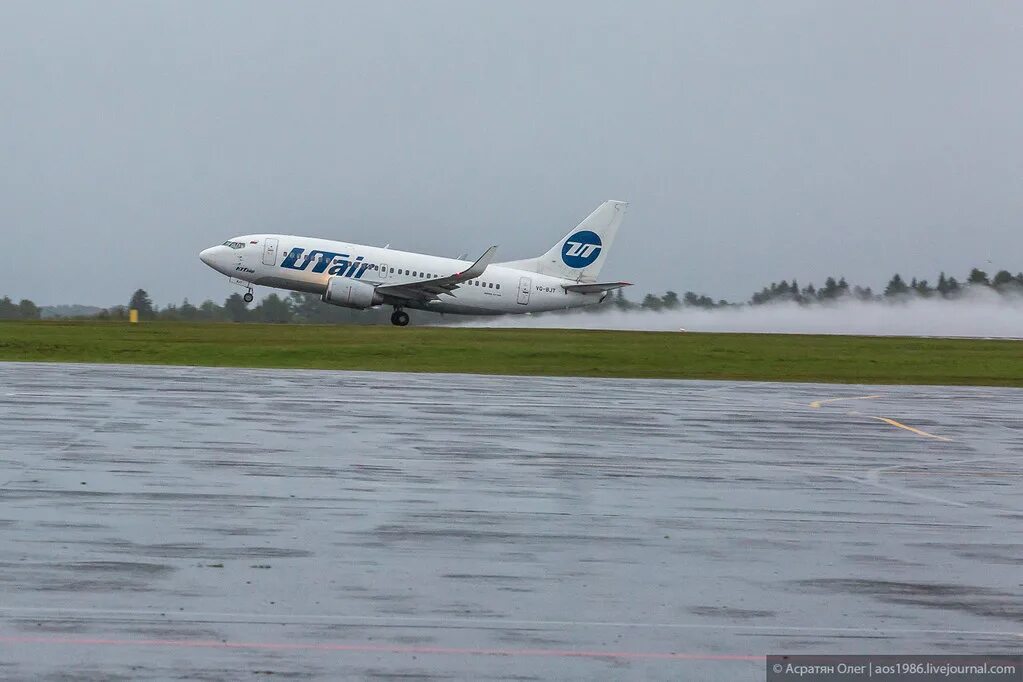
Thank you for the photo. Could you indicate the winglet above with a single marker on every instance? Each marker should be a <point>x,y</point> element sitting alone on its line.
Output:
<point>477,268</point>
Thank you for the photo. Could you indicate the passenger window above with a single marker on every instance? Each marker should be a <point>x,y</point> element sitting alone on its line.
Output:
<point>498,286</point>
<point>392,270</point>
<point>491,285</point>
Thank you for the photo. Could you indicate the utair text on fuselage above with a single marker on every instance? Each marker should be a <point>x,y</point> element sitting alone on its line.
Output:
<point>361,277</point>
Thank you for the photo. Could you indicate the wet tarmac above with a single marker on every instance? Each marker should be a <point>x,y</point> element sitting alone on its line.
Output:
<point>192,523</point>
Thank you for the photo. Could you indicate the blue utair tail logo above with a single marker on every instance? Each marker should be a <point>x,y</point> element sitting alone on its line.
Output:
<point>581,249</point>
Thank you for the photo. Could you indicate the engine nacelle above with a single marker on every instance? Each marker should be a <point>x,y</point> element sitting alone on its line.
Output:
<point>351,293</point>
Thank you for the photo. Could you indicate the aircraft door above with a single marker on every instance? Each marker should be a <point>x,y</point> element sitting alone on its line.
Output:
<point>270,252</point>
<point>525,284</point>
<point>383,272</point>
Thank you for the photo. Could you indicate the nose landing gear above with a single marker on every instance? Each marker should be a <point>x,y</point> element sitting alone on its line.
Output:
<point>246,285</point>
<point>399,318</point>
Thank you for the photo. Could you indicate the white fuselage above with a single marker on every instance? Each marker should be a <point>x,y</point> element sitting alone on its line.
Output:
<point>306,264</point>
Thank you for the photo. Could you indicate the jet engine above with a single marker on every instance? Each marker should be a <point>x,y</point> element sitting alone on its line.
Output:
<point>351,293</point>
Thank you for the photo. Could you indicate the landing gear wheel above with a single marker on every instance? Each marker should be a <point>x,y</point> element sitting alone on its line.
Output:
<point>247,297</point>
<point>399,318</point>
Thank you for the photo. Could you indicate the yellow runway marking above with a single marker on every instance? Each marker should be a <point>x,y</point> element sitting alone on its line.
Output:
<point>900,425</point>
<point>816,404</point>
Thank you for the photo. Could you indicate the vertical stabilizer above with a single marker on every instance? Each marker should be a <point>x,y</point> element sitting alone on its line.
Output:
<point>581,253</point>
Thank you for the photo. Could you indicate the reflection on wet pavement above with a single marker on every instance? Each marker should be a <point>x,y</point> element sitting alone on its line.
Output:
<point>200,523</point>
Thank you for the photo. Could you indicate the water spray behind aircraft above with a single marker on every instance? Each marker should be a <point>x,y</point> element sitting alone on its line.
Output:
<point>976,314</point>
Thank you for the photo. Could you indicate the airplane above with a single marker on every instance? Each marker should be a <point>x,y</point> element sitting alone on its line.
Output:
<point>361,277</point>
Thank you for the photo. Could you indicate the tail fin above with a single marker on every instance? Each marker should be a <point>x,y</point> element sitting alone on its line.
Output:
<point>581,253</point>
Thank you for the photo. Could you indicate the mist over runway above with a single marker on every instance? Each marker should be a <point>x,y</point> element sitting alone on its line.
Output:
<point>978,316</point>
<point>218,523</point>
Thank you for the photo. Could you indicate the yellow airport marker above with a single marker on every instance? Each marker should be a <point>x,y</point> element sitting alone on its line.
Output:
<point>133,316</point>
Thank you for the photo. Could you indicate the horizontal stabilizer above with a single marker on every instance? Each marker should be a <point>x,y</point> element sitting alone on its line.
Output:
<point>596,287</point>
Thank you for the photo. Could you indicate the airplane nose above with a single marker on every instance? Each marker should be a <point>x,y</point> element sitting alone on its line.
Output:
<point>206,255</point>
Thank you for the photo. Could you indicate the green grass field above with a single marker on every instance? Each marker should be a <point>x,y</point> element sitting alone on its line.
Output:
<point>760,357</point>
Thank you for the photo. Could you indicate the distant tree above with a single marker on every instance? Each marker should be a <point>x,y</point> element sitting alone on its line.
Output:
<point>953,287</point>
<point>210,311</point>
<point>116,312</point>
<point>942,287</point>
<point>272,309</point>
<point>978,276</point>
<point>187,311</point>
<point>794,292</point>
<point>762,296</point>
<point>896,287</point>
<point>236,309</point>
<point>670,300</point>
<point>695,300</point>
<point>651,302</point>
<point>621,302</point>
<point>169,312</point>
<point>922,288</point>
<point>809,293</point>
<point>28,310</point>
<point>830,290</point>
<point>863,293</point>
<point>141,302</point>
<point>843,287</point>
<point>1001,279</point>
<point>8,309</point>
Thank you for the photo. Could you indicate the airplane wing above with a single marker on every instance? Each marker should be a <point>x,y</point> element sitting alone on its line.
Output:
<point>595,287</point>
<point>429,289</point>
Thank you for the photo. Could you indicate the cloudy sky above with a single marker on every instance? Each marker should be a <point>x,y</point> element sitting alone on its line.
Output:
<point>755,141</point>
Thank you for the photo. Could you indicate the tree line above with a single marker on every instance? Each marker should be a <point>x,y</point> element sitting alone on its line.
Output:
<point>307,308</point>
<point>838,289</point>
<point>22,310</point>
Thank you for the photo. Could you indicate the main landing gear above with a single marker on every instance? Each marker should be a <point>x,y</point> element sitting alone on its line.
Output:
<point>399,318</point>
<point>248,296</point>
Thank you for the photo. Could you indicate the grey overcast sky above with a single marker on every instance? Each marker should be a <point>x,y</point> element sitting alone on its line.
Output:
<point>755,140</point>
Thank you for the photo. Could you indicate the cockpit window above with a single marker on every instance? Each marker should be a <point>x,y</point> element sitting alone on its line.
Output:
<point>234,245</point>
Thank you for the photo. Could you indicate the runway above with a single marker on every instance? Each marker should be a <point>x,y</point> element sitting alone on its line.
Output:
<point>195,523</point>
